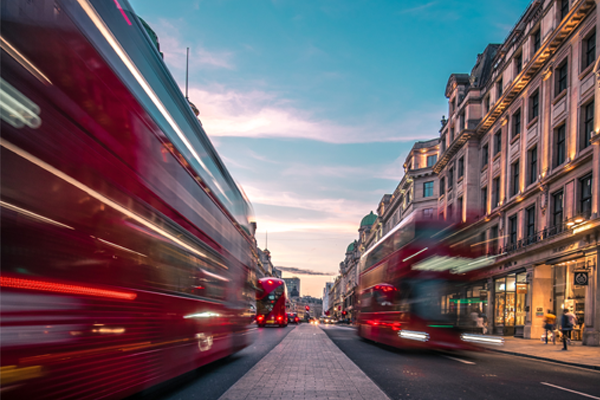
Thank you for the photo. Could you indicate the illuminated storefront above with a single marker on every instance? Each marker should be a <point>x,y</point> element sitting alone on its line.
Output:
<point>510,303</point>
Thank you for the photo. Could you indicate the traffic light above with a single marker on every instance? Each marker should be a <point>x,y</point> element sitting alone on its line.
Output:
<point>344,312</point>
<point>307,308</point>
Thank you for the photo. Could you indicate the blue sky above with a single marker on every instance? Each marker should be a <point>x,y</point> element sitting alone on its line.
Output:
<point>313,105</point>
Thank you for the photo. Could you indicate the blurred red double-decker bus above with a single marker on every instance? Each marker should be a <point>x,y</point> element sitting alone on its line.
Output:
<point>410,284</point>
<point>125,242</point>
<point>271,296</point>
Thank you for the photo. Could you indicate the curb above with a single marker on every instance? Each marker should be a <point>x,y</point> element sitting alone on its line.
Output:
<point>586,366</point>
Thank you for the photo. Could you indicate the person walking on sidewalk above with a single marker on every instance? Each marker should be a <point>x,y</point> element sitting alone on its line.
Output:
<point>549,320</point>
<point>566,327</point>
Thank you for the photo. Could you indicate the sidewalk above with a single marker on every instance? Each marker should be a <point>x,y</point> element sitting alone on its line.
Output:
<point>305,365</point>
<point>577,354</point>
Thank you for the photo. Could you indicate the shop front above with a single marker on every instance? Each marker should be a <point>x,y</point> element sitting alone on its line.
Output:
<point>570,286</point>
<point>510,304</point>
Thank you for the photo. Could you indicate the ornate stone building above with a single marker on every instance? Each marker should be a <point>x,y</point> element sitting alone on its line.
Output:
<point>519,162</point>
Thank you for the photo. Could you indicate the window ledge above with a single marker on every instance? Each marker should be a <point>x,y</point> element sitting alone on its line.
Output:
<point>484,168</point>
<point>514,139</point>
<point>586,71</point>
<point>559,96</point>
<point>496,156</point>
<point>459,180</point>
<point>532,122</point>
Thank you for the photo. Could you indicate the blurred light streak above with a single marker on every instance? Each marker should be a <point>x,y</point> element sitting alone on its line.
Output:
<point>414,335</point>
<point>17,283</point>
<point>109,331</point>
<point>219,277</point>
<point>33,215</point>
<point>472,338</point>
<point>120,247</point>
<point>97,196</point>
<point>16,109</point>
<point>112,41</point>
<point>416,254</point>
<point>206,314</point>
<point>21,59</point>
<point>11,374</point>
<point>123,12</point>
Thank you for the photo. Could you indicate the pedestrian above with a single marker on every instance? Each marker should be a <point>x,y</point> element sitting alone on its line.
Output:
<point>566,327</point>
<point>549,320</point>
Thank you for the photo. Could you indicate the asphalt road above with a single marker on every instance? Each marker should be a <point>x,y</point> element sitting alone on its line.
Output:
<point>484,375</point>
<point>211,381</point>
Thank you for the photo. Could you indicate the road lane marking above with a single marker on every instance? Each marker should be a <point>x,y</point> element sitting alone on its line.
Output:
<point>570,390</point>
<point>459,360</point>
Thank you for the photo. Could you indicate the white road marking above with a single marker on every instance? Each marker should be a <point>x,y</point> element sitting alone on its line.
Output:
<point>570,390</point>
<point>459,360</point>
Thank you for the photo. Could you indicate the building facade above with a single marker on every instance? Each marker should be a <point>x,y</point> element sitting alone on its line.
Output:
<point>519,163</point>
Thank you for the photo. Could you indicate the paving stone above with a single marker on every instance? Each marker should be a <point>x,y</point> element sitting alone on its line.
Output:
<point>310,366</point>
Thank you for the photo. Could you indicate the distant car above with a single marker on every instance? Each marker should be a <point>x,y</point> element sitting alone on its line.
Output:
<point>327,320</point>
<point>314,321</point>
<point>293,318</point>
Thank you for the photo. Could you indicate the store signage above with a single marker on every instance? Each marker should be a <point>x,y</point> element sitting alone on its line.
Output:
<point>539,312</point>
<point>521,288</point>
<point>581,278</point>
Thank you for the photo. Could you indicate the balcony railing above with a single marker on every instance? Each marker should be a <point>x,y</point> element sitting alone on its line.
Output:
<point>531,239</point>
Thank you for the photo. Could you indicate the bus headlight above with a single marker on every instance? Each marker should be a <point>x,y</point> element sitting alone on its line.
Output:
<point>414,335</point>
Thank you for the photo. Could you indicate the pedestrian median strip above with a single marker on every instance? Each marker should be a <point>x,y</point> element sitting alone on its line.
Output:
<point>571,391</point>
<point>306,364</point>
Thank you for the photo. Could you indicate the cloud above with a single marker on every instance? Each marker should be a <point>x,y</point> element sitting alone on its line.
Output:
<point>200,57</point>
<point>302,271</point>
<point>260,114</point>
<point>418,8</point>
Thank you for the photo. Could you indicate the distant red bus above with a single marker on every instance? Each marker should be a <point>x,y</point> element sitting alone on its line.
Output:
<point>409,288</point>
<point>271,297</point>
<point>126,258</point>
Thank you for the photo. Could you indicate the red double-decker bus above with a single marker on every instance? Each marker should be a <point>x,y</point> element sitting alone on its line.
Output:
<point>410,284</point>
<point>125,248</point>
<point>271,296</point>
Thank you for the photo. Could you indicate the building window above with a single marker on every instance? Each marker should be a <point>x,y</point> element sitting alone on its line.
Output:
<point>536,39</point>
<point>431,160</point>
<point>408,196</point>
<point>557,209</point>
<point>484,198</point>
<point>519,62</point>
<point>460,209</point>
<point>495,192</point>
<point>497,142</point>
<point>587,119</point>
<point>450,178</point>
<point>589,50</point>
<point>428,213</point>
<point>442,186</point>
<point>450,211</point>
<point>512,229</point>
<point>486,104</point>
<point>530,223</point>
<point>451,135</point>
<point>564,8</point>
<point>532,159</point>
<point>484,155</point>
<point>561,77</point>
<point>534,105</point>
<point>461,121</point>
<point>560,147</point>
<point>585,195</point>
<point>516,123</point>
<point>515,178</point>
<point>428,189</point>
<point>494,239</point>
<point>461,167</point>
<point>499,87</point>
<point>443,143</point>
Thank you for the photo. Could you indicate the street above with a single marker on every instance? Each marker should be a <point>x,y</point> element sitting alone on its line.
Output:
<point>486,375</point>
<point>211,381</point>
<point>399,374</point>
